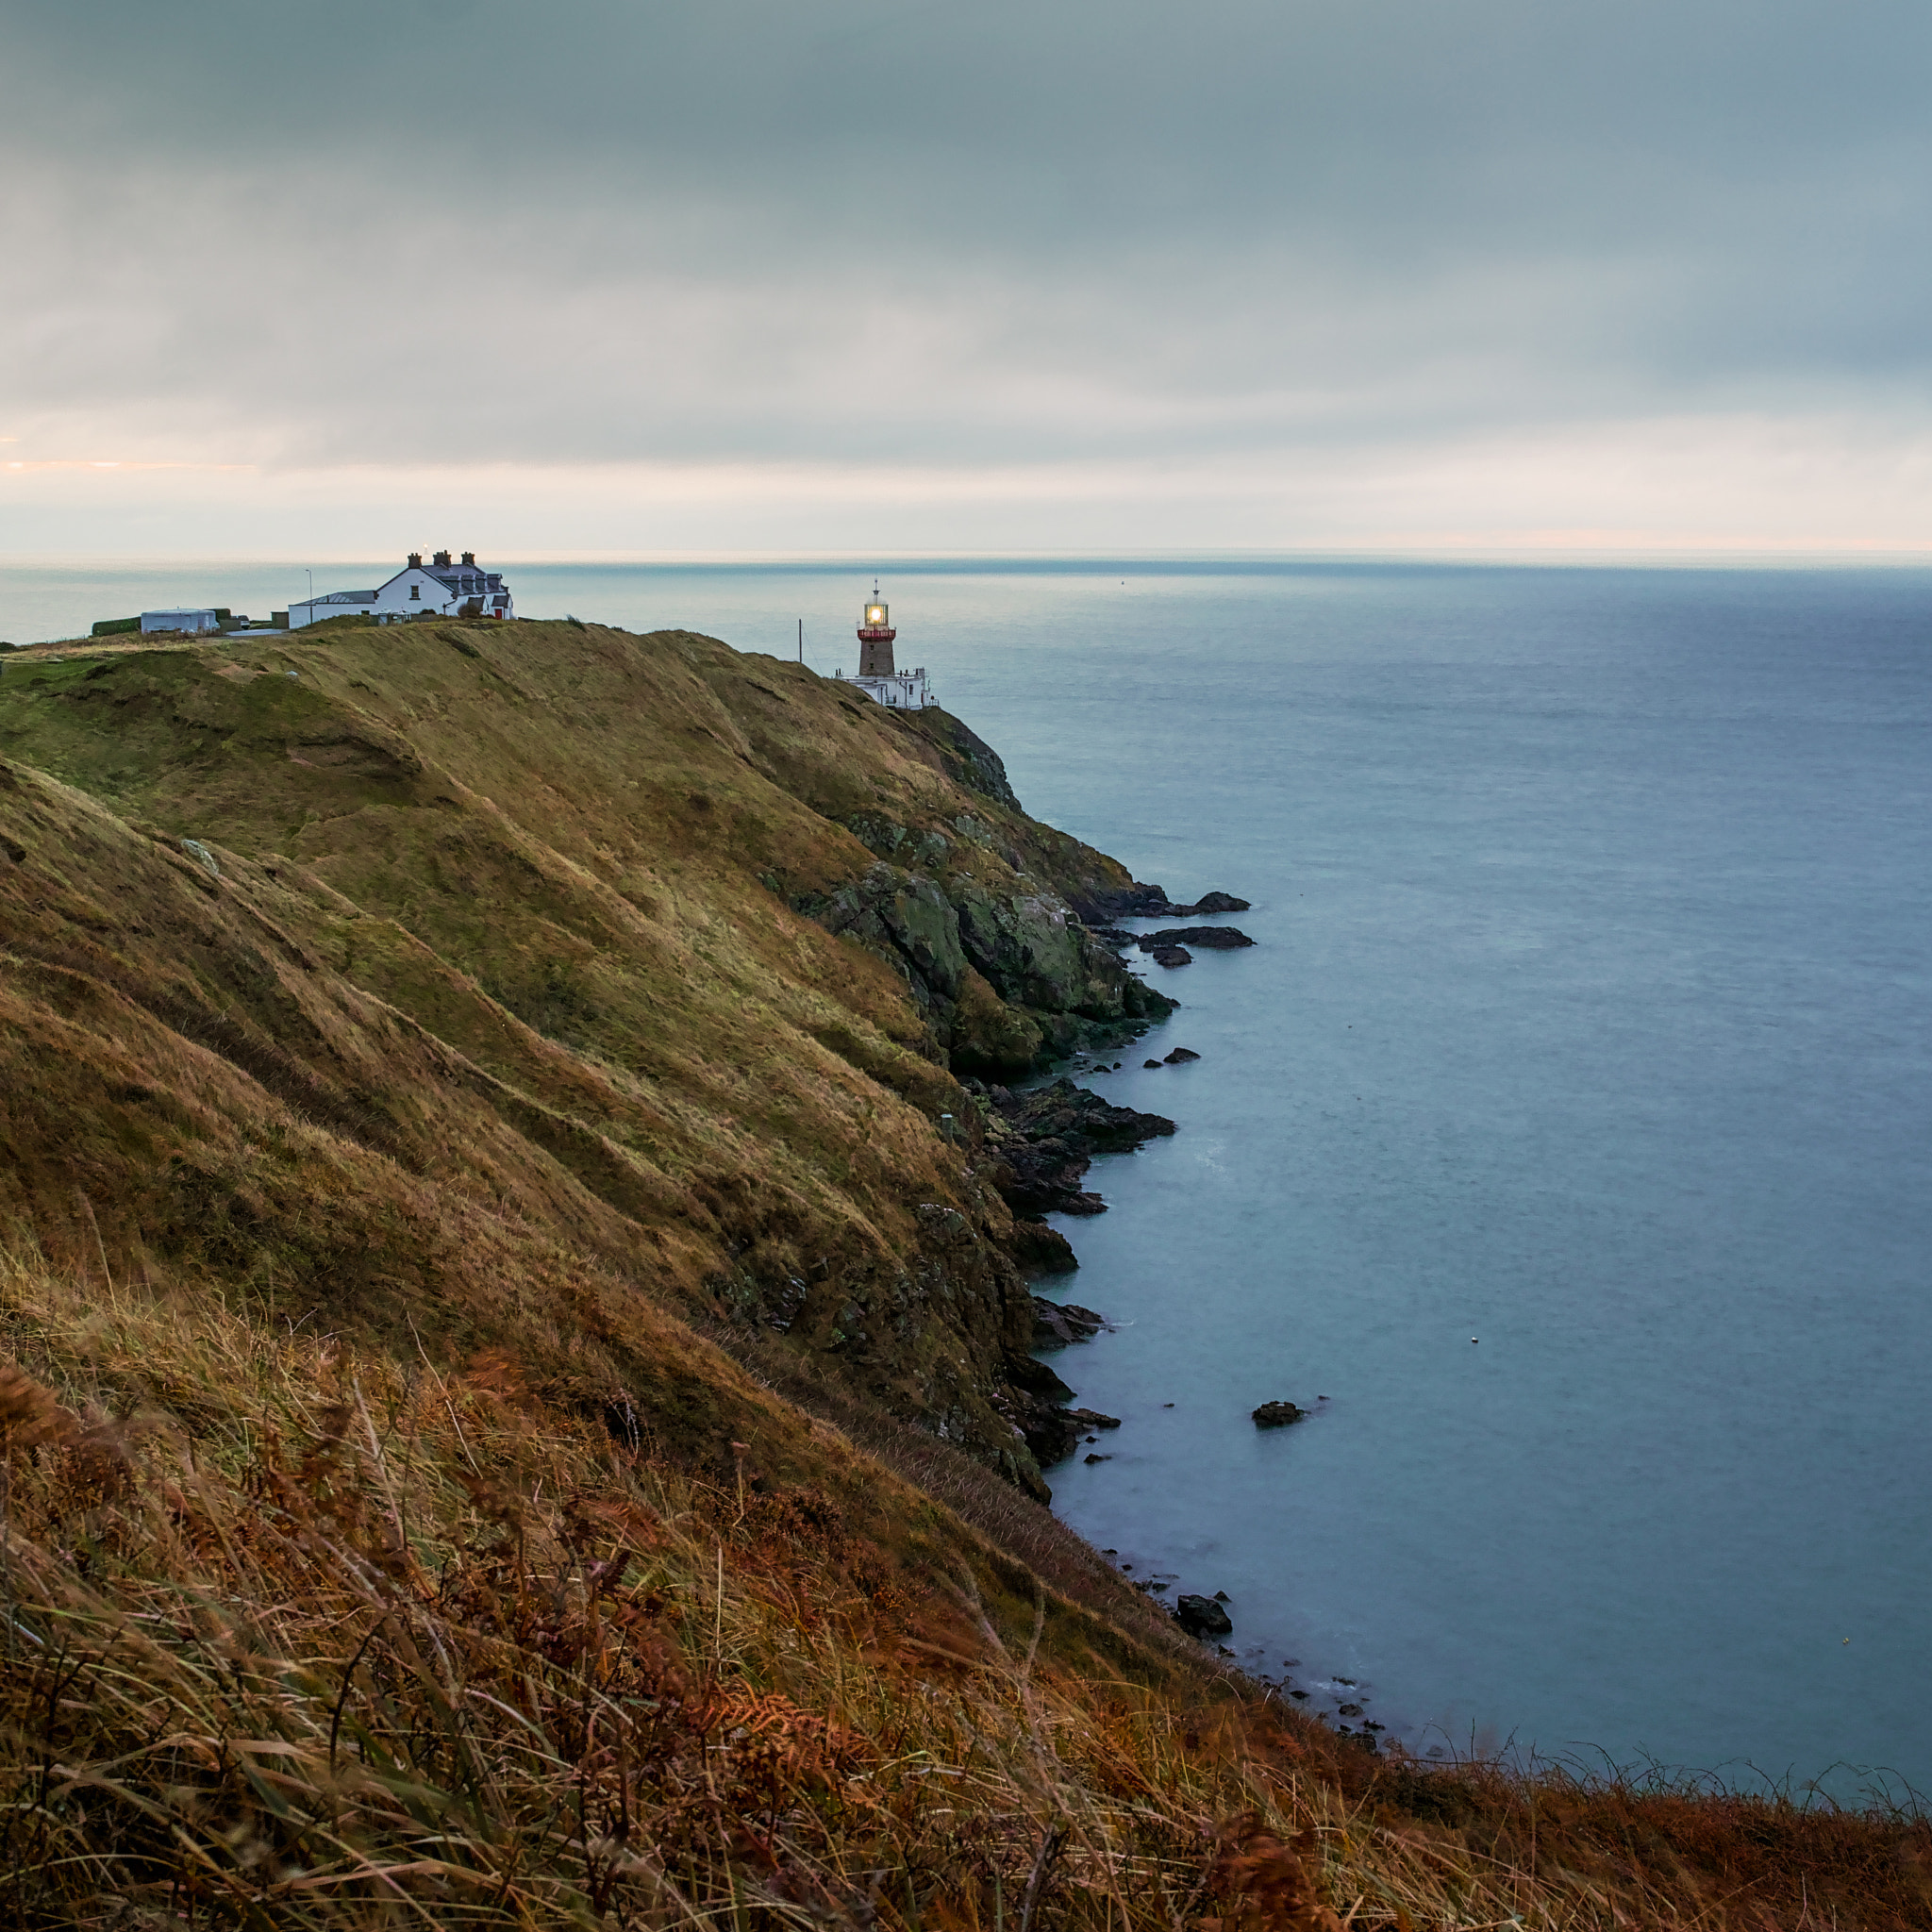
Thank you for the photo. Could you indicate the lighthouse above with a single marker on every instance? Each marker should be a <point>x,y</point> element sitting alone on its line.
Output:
<point>904,691</point>
<point>876,634</point>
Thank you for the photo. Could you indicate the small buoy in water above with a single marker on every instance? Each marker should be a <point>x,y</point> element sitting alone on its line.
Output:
<point>1474,1343</point>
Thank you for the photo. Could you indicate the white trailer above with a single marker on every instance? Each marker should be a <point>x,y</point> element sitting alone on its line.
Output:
<point>195,623</point>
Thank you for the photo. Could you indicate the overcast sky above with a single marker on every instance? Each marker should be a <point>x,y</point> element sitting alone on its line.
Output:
<point>621,276</point>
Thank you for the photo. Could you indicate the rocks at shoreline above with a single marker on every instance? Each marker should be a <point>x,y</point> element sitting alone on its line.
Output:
<point>1169,955</point>
<point>1059,1324</point>
<point>1223,938</point>
<point>1278,1415</point>
<point>1149,902</point>
<point>1053,1433</point>
<point>1003,969</point>
<point>1035,1403</point>
<point>1041,1144</point>
<point>1054,1134</point>
<point>1201,1616</point>
<point>1042,1250</point>
<point>1032,1377</point>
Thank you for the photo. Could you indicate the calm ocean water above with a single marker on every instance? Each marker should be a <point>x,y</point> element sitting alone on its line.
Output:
<point>1588,1018</point>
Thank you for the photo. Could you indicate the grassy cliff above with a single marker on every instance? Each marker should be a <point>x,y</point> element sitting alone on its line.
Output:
<point>633,938</point>
<point>515,1394</point>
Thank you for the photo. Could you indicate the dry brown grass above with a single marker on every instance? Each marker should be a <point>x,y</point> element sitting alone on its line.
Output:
<point>372,1644</point>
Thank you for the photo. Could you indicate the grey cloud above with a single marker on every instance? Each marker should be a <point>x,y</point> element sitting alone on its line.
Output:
<point>1098,229</point>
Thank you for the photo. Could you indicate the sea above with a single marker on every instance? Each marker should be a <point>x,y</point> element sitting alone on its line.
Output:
<point>1563,1143</point>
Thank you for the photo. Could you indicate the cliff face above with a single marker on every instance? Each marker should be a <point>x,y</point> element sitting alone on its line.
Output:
<point>520,982</point>
<point>976,906</point>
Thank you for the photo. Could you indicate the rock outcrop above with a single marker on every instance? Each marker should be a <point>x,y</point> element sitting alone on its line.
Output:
<point>1059,1325</point>
<point>1005,971</point>
<point>1098,905</point>
<point>1201,1616</point>
<point>1051,1137</point>
<point>1214,939</point>
<point>1042,1250</point>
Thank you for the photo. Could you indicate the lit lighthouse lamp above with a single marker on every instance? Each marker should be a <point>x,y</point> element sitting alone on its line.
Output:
<point>876,637</point>
<point>903,691</point>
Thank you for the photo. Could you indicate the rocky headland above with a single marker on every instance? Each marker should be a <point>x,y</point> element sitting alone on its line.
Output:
<point>522,1156</point>
<point>695,959</point>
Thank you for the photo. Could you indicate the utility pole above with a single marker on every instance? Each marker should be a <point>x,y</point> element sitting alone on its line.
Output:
<point>801,641</point>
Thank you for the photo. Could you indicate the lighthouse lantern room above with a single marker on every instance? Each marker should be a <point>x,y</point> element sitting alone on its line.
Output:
<point>904,691</point>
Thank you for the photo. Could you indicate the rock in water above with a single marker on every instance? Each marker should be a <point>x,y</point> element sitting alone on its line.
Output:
<point>1278,1415</point>
<point>1215,938</point>
<point>1057,1325</point>
<point>1201,1616</point>
<point>1180,1056</point>
<point>1149,902</point>
<point>1170,956</point>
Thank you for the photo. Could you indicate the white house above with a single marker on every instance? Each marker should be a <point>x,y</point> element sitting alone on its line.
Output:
<point>443,589</point>
<point>192,621</point>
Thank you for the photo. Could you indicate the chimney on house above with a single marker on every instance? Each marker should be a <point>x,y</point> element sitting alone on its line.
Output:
<point>443,560</point>
<point>415,559</point>
<point>470,558</point>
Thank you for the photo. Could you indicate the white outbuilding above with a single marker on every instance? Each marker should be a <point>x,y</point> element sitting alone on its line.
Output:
<point>193,622</point>
<point>463,589</point>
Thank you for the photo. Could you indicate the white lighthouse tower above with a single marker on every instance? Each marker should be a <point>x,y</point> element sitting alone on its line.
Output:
<point>905,691</point>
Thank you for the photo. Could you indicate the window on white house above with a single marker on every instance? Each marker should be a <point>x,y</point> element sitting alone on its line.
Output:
<point>416,591</point>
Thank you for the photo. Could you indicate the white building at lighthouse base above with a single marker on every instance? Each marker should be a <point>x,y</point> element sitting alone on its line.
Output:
<point>905,691</point>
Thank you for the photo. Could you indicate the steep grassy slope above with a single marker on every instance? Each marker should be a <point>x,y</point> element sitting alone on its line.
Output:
<point>509,1395</point>
<point>512,910</point>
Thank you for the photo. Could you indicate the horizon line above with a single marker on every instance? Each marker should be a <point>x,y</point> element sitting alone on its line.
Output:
<point>1546,555</point>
